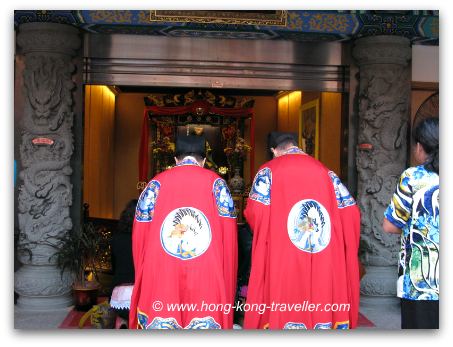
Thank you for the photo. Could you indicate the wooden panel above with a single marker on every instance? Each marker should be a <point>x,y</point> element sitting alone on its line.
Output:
<point>98,151</point>
<point>87,191</point>
<point>282,118</point>
<point>97,133</point>
<point>330,131</point>
<point>310,96</point>
<point>128,127</point>
<point>266,121</point>
<point>295,99</point>
<point>108,171</point>
<point>425,86</point>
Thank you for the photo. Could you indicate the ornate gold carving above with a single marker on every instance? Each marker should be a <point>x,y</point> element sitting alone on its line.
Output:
<point>141,185</point>
<point>191,96</point>
<point>273,18</point>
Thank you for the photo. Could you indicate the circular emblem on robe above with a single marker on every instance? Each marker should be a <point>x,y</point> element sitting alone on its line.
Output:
<point>309,226</point>
<point>185,233</point>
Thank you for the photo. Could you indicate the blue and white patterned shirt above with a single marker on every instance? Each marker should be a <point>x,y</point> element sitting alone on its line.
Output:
<point>414,208</point>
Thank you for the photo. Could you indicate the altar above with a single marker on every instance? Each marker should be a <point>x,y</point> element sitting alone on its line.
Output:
<point>224,121</point>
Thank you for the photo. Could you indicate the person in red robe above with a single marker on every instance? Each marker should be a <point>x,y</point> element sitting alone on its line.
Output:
<point>306,230</point>
<point>184,244</point>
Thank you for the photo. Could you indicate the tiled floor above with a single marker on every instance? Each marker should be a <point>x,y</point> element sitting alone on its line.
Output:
<point>388,317</point>
<point>26,319</point>
<point>385,318</point>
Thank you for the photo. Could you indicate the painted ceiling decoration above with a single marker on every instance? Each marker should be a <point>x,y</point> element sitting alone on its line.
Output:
<point>422,27</point>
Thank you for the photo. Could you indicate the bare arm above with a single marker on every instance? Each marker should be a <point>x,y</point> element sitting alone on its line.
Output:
<point>389,227</point>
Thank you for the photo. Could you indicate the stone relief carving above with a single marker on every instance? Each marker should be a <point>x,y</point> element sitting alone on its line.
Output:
<point>382,135</point>
<point>46,193</point>
<point>379,286</point>
<point>48,38</point>
<point>383,49</point>
<point>48,84</point>
<point>45,190</point>
<point>49,282</point>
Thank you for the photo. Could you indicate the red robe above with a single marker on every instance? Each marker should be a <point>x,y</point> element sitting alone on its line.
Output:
<point>306,230</point>
<point>185,251</point>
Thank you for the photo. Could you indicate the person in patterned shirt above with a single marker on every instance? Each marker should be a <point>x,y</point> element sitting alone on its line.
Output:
<point>413,212</point>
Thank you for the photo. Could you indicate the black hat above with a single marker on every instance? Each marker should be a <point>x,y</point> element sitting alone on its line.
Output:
<point>276,138</point>
<point>190,144</point>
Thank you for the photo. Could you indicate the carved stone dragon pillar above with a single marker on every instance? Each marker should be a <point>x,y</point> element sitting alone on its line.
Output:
<point>384,96</point>
<point>45,192</point>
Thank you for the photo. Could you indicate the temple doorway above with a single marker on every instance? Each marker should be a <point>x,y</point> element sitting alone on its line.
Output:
<point>118,159</point>
<point>113,127</point>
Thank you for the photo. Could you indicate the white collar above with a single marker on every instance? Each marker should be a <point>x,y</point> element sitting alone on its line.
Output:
<point>189,160</point>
